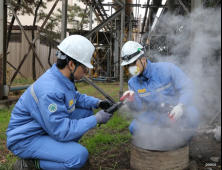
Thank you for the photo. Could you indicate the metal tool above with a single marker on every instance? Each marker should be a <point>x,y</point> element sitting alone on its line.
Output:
<point>88,80</point>
<point>114,108</point>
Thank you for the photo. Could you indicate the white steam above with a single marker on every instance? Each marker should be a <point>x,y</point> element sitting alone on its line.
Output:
<point>194,43</point>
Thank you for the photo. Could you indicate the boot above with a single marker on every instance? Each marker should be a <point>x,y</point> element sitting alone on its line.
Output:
<point>24,164</point>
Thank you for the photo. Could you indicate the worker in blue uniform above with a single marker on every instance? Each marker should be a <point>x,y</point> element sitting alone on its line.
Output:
<point>162,88</point>
<point>51,116</point>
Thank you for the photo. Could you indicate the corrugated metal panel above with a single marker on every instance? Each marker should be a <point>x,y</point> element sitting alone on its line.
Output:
<point>18,50</point>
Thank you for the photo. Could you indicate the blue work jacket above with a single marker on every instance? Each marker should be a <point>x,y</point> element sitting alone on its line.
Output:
<point>161,83</point>
<point>45,108</point>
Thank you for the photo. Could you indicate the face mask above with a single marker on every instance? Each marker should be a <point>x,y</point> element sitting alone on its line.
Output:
<point>134,70</point>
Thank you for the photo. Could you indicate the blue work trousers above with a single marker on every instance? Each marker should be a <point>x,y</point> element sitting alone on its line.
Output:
<point>55,155</point>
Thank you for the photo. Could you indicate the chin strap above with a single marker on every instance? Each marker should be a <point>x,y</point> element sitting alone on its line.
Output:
<point>72,73</point>
<point>140,76</point>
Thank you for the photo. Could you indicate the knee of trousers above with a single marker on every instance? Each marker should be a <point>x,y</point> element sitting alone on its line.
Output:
<point>132,126</point>
<point>79,158</point>
<point>192,116</point>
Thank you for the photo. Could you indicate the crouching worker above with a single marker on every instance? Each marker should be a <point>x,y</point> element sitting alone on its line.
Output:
<point>157,86</point>
<point>51,116</point>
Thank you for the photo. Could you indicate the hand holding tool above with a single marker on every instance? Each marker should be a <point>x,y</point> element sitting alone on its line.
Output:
<point>102,117</point>
<point>114,108</point>
<point>104,104</point>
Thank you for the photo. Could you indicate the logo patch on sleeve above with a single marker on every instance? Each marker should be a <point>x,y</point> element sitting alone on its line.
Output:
<point>71,102</point>
<point>141,90</point>
<point>52,107</point>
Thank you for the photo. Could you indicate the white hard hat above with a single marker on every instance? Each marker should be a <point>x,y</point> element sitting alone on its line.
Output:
<point>130,52</point>
<point>78,48</point>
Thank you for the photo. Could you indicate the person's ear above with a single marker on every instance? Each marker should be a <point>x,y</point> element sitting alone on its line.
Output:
<point>71,64</point>
<point>144,59</point>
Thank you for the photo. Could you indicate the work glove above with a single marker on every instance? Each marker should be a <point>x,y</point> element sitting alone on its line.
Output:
<point>104,104</point>
<point>129,95</point>
<point>102,117</point>
<point>176,113</point>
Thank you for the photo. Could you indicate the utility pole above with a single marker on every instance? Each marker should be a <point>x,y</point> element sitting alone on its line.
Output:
<point>64,19</point>
<point>90,28</point>
<point>4,89</point>
<point>121,45</point>
<point>171,6</point>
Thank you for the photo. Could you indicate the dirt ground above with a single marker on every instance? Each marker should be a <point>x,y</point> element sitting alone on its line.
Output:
<point>202,148</point>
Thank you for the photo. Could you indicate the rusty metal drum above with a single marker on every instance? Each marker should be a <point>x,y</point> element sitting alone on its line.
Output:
<point>143,159</point>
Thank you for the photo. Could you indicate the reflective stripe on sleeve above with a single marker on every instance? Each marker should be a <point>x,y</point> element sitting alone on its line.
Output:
<point>157,90</point>
<point>72,109</point>
<point>163,88</point>
<point>144,94</point>
<point>33,93</point>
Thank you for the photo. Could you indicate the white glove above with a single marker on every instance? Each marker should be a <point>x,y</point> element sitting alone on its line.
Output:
<point>176,113</point>
<point>129,95</point>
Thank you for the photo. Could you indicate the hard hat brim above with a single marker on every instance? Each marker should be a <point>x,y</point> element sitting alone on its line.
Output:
<point>131,60</point>
<point>89,65</point>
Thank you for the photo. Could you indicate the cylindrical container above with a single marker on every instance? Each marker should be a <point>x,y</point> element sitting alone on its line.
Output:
<point>5,90</point>
<point>143,159</point>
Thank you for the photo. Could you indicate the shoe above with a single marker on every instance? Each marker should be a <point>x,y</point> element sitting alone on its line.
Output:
<point>24,164</point>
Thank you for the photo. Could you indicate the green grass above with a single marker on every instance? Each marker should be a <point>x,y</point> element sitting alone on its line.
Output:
<point>96,140</point>
<point>21,81</point>
<point>6,157</point>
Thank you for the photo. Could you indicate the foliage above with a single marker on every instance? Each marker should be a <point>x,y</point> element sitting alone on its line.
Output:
<point>22,81</point>
<point>23,7</point>
<point>77,17</point>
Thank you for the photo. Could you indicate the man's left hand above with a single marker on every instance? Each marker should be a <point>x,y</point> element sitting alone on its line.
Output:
<point>176,113</point>
<point>105,104</point>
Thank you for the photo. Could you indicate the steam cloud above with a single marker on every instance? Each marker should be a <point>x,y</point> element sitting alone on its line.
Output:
<point>194,44</point>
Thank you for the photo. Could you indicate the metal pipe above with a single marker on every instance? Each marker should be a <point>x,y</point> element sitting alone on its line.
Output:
<point>16,88</point>
<point>144,20</point>
<point>116,49</point>
<point>111,52</point>
<point>101,25</point>
<point>64,19</point>
<point>171,6</point>
<point>5,9</point>
<point>99,89</point>
<point>184,7</point>
<point>90,28</point>
<point>122,43</point>
<point>1,46</point>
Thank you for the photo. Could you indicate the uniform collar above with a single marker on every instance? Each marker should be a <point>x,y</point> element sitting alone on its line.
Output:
<point>63,79</point>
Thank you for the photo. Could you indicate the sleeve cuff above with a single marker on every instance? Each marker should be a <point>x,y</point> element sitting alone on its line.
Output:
<point>94,105</point>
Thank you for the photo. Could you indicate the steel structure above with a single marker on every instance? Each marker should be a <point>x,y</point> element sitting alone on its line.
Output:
<point>121,27</point>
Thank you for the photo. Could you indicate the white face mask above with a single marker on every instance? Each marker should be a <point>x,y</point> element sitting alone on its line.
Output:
<point>134,70</point>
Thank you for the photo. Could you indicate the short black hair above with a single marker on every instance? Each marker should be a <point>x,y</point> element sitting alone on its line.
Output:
<point>62,63</point>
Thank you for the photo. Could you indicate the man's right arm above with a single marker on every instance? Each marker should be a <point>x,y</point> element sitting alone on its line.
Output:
<point>134,102</point>
<point>55,120</point>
